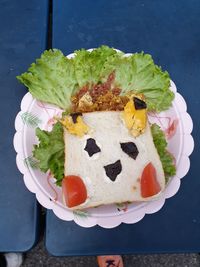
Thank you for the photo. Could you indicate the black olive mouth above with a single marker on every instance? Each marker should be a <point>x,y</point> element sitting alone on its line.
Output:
<point>113,170</point>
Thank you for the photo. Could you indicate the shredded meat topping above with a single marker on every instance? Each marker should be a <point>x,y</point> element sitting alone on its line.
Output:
<point>99,97</point>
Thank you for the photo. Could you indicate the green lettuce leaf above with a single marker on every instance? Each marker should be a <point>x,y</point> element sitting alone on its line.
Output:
<point>55,78</point>
<point>51,79</point>
<point>139,74</point>
<point>161,146</point>
<point>50,151</point>
<point>89,66</point>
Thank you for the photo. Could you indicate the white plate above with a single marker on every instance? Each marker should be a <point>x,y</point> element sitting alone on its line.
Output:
<point>176,123</point>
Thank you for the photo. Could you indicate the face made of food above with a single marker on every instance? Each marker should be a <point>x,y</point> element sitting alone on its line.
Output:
<point>110,160</point>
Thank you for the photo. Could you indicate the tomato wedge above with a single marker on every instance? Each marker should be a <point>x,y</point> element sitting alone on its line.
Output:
<point>74,191</point>
<point>149,182</point>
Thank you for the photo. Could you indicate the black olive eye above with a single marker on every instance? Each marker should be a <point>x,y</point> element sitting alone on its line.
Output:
<point>91,147</point>
<point>130,149</point>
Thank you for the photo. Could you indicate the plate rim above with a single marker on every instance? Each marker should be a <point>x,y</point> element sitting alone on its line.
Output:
<point>106,221</point>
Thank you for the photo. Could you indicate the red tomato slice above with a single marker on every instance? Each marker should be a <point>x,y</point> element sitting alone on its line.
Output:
<point>74,190</point>
<point>149,182</point>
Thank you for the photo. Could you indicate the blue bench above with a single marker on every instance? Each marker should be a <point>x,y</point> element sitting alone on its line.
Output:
<point>169,30</point>
<point>23,30</point>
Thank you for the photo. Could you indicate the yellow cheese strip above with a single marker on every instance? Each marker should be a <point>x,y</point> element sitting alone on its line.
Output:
<point>135,120</point>
<point>78,128</point>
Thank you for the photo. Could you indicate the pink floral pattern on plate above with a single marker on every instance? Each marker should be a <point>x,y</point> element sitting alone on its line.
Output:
<point>175,122</point>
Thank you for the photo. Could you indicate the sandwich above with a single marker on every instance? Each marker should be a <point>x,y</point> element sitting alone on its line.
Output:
<point>102,150</point>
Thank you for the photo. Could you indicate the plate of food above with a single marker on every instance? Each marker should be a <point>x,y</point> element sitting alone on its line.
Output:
<point>102,137</point>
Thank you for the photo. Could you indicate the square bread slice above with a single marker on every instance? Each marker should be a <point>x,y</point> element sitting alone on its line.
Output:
<point>110,174</point>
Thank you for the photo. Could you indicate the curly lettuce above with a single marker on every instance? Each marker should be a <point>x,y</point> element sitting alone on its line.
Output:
<point>139,74</point>
<point>50,151</point>
<point>51,79</point>
<point>90,66</point>
<point>161,146</point>
<point>55,78</point>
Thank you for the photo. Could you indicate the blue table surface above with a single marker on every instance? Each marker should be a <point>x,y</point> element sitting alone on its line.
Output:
<point>169,31</point>
<point>22,38</point>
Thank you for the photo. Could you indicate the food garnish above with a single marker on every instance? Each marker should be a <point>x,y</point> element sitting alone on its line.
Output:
<point>149,183</point>
<point>56,79</point>
<point>74,191</point>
